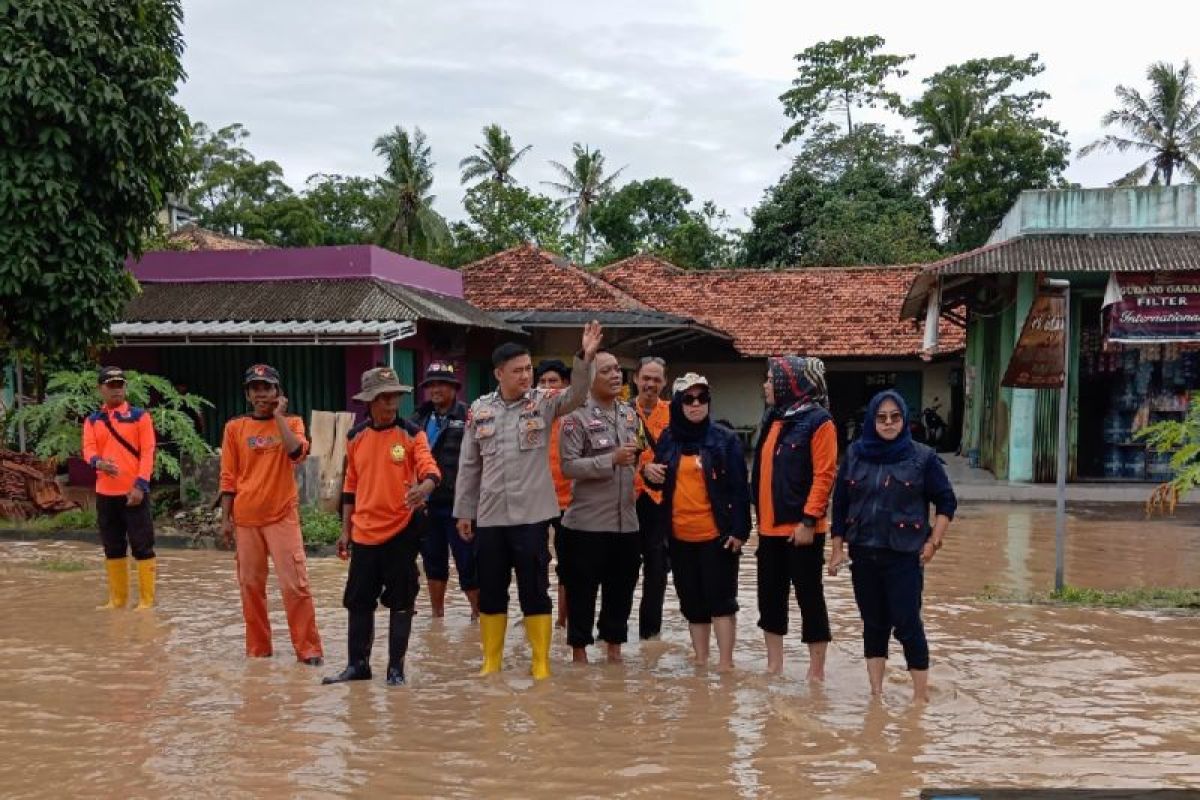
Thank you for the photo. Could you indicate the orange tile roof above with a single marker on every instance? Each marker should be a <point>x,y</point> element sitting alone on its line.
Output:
<point>821,311</point>
<point>526,278</point>
<point>192,237</point>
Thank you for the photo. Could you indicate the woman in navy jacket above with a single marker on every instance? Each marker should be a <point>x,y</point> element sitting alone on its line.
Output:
<point>881,509</point>
<point>706,509</point>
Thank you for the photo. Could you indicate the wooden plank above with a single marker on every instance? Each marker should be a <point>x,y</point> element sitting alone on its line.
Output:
<point>332,469</point>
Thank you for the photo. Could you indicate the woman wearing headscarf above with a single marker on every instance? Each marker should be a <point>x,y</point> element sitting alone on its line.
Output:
<point>706,509</point>
<point>794,469</point>
<point>881,509</point>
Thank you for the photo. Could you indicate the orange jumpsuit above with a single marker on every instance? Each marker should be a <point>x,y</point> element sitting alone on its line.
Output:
<point>258,472</point>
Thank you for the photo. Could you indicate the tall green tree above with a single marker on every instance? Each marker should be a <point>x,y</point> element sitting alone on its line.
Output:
<point>90,144</point>
<point>583,184</point>
<point>983,141</point>
<point>411,226</point>
<point>1165,125</point>
<point>349,209</point>
<point>841,75</point>
<point>494,159</point>
<point>846,200</point>
<point>500,216</point>
<point>228,186</point>
<point>655,216</point>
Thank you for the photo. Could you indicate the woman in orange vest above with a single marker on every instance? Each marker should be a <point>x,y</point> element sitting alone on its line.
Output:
<point>792,480</point>
<point>701,470</point>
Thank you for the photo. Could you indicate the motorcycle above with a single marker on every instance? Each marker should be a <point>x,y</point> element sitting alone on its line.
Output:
<point>933,424</point>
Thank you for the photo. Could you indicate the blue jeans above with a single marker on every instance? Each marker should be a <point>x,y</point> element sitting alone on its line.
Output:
<point>441,539</point>
<point>887,588</point>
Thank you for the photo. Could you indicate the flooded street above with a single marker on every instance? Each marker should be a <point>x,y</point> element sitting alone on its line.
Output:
<point>164,703</point>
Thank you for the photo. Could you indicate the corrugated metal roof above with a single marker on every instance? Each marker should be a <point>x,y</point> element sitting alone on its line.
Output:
<point>1130,252</point>
<point>308,330</point>
<point>1125,252</point>
<point>358,299</point>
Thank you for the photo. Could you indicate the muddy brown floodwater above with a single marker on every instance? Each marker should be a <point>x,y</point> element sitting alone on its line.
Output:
<point>163,704</point>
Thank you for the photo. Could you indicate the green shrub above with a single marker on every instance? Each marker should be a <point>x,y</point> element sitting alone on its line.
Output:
<point>319,527</point>
<point>53,425</point>
<point>78,519</point>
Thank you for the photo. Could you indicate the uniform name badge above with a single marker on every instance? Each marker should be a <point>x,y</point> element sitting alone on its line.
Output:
<point>397,453</point>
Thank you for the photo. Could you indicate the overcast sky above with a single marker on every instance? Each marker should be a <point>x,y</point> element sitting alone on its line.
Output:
<point>686,89</point>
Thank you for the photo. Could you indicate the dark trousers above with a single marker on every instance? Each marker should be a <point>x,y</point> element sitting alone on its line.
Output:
<point>783,567</point>
<point>706,579</point>
<point>605,564</point>
<point>502,550</point>
<point>440,540</point>
<point>655,566</point>
<point>887,589</point>
<point>124,527</point>
<point>562,551</point>
<point>385,573</point>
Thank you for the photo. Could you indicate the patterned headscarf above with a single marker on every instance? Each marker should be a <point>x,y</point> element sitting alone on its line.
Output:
<point>798,383</point>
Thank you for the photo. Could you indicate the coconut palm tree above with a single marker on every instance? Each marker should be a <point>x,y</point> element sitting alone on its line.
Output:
<point>1165,125</point>
<point>944,116</point>
<point>411,225</point>
<point>583,185</point>
<point>495,159</point>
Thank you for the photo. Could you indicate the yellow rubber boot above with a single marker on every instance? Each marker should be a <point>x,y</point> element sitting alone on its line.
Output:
<point>146,571</point>
<point>118,582</point>
<point>492,628</point>
<point>538,629</point>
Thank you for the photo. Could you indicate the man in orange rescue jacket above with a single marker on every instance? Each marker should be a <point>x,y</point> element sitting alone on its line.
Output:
<point>118,442</point>
<point>260,502</point>
<point>390,474</point>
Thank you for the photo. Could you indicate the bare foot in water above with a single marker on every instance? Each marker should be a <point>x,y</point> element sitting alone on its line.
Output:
<point>725,666</point>
<point>579,655</point>
<point>614,654</point>
<point>774,669</point>
<point>815,674</point>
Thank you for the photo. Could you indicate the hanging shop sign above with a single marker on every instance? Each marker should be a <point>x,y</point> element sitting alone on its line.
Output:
<point>1152,307</point>
<point>1039,359</point>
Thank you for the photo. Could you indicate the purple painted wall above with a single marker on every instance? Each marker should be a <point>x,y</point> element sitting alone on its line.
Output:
<point>295,263</point>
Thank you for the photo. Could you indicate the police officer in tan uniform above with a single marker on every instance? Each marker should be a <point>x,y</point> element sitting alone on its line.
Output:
<point>600,446</point>
<point>504,498</point>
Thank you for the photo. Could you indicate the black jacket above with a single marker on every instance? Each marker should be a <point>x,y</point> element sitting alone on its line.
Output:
<point>792,465</point>
<point>445,449</point>
<point>724,475</point>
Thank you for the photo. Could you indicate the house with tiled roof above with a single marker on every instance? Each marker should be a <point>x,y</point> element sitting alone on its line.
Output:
<point>847,316</point>
<point>724,323</point>
<point>552,299</point>
<point>192,237</point>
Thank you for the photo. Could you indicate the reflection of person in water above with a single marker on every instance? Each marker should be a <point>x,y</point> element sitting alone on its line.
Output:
<point>881,509</point>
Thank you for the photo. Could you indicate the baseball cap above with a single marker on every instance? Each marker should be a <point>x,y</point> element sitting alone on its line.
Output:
<point>261,372</point>
<point>441,371</point>
<point>689,380</point>
<point>110,375</point>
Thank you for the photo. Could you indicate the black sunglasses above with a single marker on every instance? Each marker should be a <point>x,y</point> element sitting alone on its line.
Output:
<point>696,399</point>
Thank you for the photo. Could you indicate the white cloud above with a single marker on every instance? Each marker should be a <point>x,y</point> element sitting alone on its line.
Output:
<point>688,90</point>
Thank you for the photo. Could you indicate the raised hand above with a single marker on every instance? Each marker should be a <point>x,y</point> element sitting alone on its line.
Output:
<point>593,334</point>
